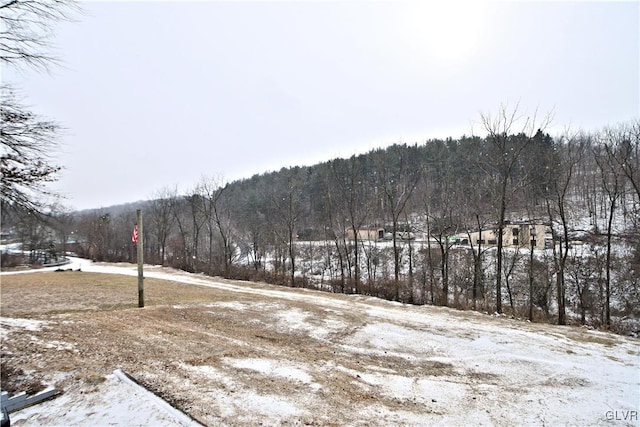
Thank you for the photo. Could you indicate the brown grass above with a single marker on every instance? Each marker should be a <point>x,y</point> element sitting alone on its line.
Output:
<point>93,326</point>
<point>31,295</point>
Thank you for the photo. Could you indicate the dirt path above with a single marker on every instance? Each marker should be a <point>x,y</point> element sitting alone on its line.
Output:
<point>234,353</point>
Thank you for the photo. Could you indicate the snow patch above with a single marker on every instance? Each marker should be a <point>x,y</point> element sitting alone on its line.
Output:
<point>8,323</point>
<point>272,368</point>
<point>232,305</point>
<point>116,401</point>
<point>309,323</point>
<point>390,338</point>
<point>270,404</point>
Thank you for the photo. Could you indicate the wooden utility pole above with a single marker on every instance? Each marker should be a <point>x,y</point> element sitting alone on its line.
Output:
<point>140,250</point>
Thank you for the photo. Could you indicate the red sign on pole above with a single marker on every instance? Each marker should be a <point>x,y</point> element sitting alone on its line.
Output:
<point>134,236</point>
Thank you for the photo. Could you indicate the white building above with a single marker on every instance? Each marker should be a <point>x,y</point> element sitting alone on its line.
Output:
<point>518,234</point>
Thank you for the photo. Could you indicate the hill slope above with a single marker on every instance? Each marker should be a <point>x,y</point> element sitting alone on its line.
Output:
<point>235,353</point>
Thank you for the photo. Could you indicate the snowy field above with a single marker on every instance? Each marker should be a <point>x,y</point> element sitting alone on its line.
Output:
<point>298,357</point>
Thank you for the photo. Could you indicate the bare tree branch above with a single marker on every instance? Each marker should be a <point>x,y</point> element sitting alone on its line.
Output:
<point>26,31</point>
<point>26,142</point>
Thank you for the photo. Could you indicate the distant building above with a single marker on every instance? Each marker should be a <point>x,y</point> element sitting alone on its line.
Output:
<point>519,234</point>
<point>375,234</point>
<point>372,233</point>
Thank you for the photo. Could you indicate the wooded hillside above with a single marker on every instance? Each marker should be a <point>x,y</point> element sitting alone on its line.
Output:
<point>302,226</point>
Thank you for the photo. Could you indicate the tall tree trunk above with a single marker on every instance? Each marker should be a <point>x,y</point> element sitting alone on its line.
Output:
<point>444,270</point>
<point>607,307</point>
<point>503,209</point>
<point>396,260</point>
<point>560,284</point>
<point>477,263</point>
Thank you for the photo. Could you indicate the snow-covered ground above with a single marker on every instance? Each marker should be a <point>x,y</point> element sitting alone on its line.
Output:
<point>444,367</point>
<point>117,401</point>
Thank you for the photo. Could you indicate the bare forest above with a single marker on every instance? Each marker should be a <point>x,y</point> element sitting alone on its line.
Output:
<point>392,223</point>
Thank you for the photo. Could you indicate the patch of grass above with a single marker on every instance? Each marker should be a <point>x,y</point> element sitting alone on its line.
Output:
<point>14,380</point>
<point>592,338</point>
<point>30,295</point>
<point>482,377</point>
<point>94,379</point>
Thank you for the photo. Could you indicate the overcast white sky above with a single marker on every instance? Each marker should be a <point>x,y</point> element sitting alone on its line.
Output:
<point>158,94</point>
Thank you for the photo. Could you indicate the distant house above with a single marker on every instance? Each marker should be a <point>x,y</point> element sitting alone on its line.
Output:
<point>370,233</point>
<point>519,234</point>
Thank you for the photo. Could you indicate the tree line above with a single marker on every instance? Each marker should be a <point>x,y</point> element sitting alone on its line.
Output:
<point>302,226</point>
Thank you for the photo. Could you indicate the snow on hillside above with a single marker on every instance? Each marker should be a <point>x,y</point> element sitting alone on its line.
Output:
<point>411,366</point>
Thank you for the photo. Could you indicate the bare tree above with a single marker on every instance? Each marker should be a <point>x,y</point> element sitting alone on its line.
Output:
<point>612,183</point>
<point>285,202</point>
<point>25,160</point>
<point>27,30</point>
<point>217,215</point>
<point>251,224</point>
<point>162,219</point>
<point>475,190</point>
<point>443,215</point>
<point>583,265</point>
<point>443,228</point>
<point>334,230</point>
<point>26,139</point>
<point>350,179</point>
<point>398,177</point>
<point>187,212</point>
<point>627,154</point>
<point>63,223</point>
<point>563,163</point>
<point>509,133</point>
